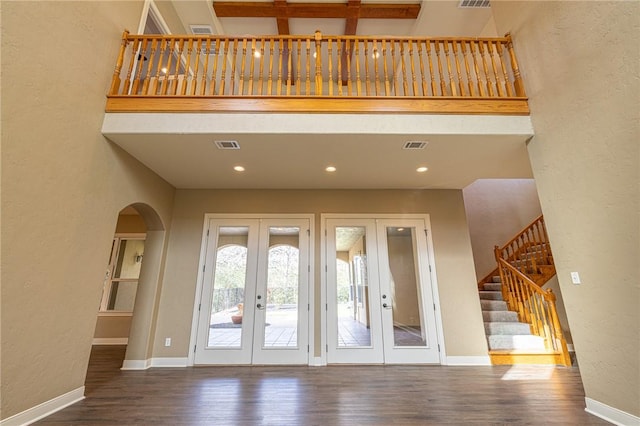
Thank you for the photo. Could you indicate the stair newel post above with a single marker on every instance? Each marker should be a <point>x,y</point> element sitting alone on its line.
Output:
<point>518,84</point>
<point>115,81</point>
<point>559,335</point>
<point>318,38</point>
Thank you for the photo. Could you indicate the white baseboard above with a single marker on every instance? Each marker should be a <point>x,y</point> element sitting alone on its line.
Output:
<point>143,364</point>
<point>136,364</point>
<point>169,362</point>
<point>45,409</point>
<point>468,360</point>
<point>110,340</point>
<point>610,414</point>
<point>316,362</point>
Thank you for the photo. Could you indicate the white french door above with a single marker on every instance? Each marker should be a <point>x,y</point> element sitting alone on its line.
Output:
<point>380,301</point>
<point>254,306</point>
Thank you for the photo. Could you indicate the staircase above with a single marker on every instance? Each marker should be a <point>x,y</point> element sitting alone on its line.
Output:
<point>520,318</point>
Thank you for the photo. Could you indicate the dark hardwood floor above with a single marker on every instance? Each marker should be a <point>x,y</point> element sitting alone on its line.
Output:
<point>333,395</point>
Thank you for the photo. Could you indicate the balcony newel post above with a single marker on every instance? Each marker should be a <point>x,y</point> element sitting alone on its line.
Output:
<point>115,81</point>
<point>318,38</point>
<point>514,66</point>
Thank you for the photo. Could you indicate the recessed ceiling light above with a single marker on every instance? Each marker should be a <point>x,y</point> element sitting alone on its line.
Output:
<point>331,169</point>
<point>238,168</point>
<point>422,169</point>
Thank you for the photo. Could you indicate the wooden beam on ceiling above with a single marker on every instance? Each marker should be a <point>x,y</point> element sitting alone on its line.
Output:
<point>231,9</point>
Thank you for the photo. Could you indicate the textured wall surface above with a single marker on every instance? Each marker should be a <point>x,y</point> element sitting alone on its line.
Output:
<point>580,63</point>
<point>452,251</point>
<point>63,185</point>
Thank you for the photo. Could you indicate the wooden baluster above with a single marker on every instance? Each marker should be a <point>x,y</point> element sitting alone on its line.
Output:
<point>485,67</point>
<point>299,67</point>
<point>156,82</point>
<point>366,67</point>
<point>519,85</point>
<point>166,81</point>
<point>413,70</point>
<point>318,38</point>
<point>358,84</point>
<point>234,60</point>
<point>174,85</point>
<point>115,80</point>
<point>457,60</point>
<point>507,83</point>
<point>134,52</point>
<point>425,92</point>
<point>348,54</point>
<point>452,86</point>
<point>280,59</point>
<point>223,76</point>
<point>375,56</point>
<point>465,55</point>
<point>187,72</point>
<point>289,66</point>
<point>217,53</point>
<point>208,51</point>
<point>387,87</point>
<point>339,58</point>
<point>147,77</point>
<point>474,55</point>
<point>308,69</point>
<point>443,84</point>
<point>242,66</point>
<point>141,59</point>
<point>562,342</point>
<point>434,90</point>
<point>252,61</point>
<point>196,67</point>
<point>491,47</point>
<point>205,67</point>
<point>405,85</point>
<point>261,64</point>
<point>330,60</point>
<point>270,74</point>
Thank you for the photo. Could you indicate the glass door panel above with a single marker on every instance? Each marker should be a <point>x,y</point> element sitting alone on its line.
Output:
<point>354,321</point>
<point>408,316</point>
<point>281,302</point>
<point>227,303</point>
<point>281,322</point>
<point>225,326</point>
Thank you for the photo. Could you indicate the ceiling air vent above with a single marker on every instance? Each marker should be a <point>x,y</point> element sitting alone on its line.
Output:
<point>227,144</point>
<point>414,145</point>
<point>474,4</point>
<point>201,29</point>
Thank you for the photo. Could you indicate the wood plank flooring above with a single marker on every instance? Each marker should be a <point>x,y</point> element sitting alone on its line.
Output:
<point>333,395</point>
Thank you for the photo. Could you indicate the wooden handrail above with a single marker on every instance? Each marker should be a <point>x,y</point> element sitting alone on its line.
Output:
<point>535,306</point>
<point>529,250</point>
<point>316,65</point>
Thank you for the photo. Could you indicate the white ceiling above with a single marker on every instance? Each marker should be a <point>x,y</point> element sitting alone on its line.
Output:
<point>297,159</point>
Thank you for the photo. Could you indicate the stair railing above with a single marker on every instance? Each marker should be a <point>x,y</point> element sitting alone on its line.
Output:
<point>535,306</point>
<point>529,249</point>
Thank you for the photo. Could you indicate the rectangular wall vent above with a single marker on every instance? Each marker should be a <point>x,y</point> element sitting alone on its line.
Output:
<point>227,144</point>
<point>414,145</point>
<point>474,4</point>
<point>201,29</point>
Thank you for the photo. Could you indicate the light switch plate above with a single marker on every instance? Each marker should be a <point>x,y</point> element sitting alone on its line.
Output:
<point>575,278</point>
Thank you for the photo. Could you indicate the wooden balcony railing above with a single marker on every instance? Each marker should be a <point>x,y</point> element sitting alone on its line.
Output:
<point>317,73</point>
<point>534,306</point>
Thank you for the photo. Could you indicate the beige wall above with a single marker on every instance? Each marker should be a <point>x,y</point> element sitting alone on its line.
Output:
<point>464,334</point>
<point>112,327</point>
<point>497,209</point>
<point>580,64</point>
<point>63,185</point>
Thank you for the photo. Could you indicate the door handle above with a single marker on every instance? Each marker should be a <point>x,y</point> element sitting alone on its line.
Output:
<point>259,306</point>
<point>384,305</point>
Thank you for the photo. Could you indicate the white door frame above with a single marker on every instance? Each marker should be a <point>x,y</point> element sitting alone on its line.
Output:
<point>324,275</point>
<point>201,275</point>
